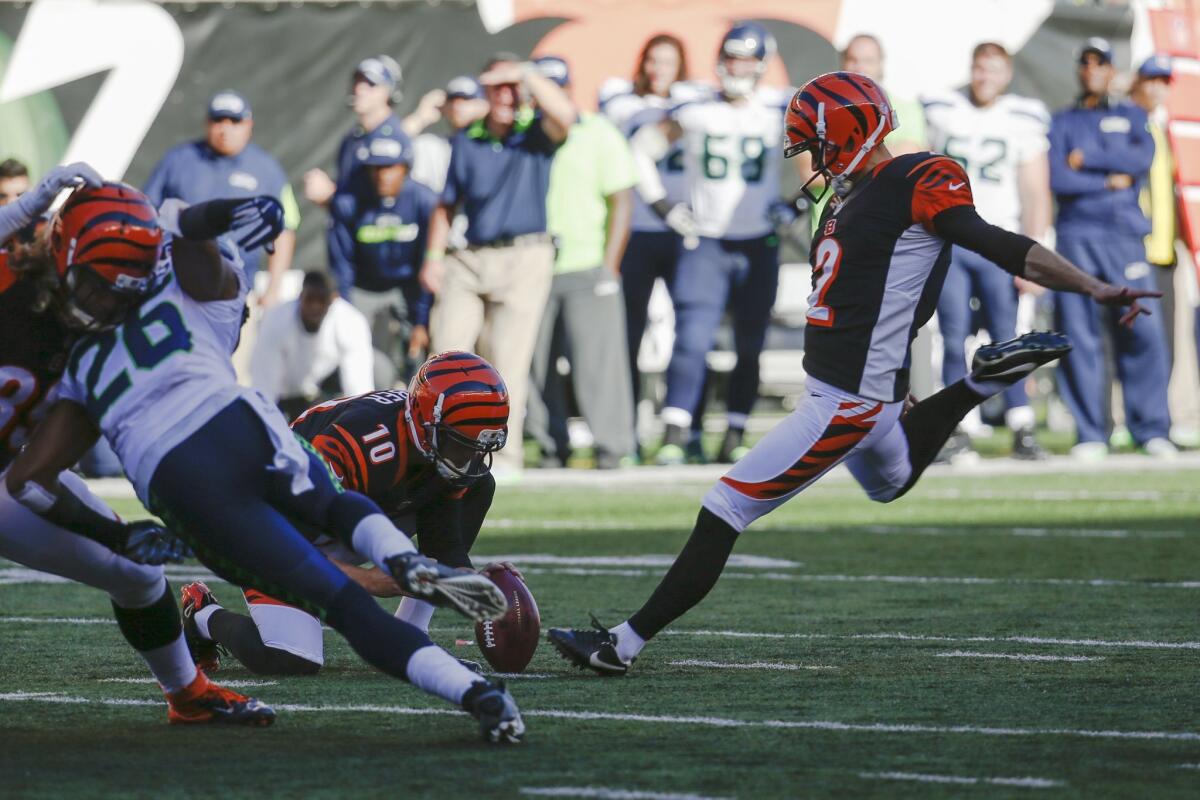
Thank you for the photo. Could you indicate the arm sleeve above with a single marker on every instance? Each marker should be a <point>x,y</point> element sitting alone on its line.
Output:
<point>357,370</point>
<point>940,184</point>
<point>1132,156</point>
<point>340,242</point>
<point>1065,181</point>
<point>962,225</point>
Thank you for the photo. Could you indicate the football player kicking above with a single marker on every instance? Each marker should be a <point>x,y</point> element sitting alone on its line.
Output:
<point>879,260</point>
<point>424,456</point>
<point>121,559</point>
<point>216,461</point>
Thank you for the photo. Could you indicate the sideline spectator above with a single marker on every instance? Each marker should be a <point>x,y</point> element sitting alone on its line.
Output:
<point>376,246</point>
<point>1160,204</point>
<point>588,209</point>
<point>374,90</point>
<point>653,249</point>
<point>1100,153</point>
<point>14,180</point>
<point>490,296</point>
<point>225,163</point>
<point>314,348</point>
<point>459,104</point>
<point>1000,139</point>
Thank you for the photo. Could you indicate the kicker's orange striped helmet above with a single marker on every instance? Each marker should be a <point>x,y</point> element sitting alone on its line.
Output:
<point>839,117</point>
<point>458,414</point>
<point>105,244</point>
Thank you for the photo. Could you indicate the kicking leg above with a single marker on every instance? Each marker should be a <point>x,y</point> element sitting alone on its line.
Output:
<point>826,427</point>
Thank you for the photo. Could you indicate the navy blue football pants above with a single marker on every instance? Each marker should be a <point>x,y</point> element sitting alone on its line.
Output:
<point>742,275</point>
<point>215,490</point>
<point>648,256</point>
<point>972,275</point>
<point>1140,351</point>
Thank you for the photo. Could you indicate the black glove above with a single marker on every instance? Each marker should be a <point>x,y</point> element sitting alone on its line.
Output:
<point>148,542</point>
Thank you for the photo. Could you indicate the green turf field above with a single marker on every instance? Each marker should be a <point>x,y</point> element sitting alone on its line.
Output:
<point>990,637</point>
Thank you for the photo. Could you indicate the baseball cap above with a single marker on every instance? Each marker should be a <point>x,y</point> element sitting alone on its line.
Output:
<point>1099,46</point>
<point>554,68</point>
<point>384,151</point>
<point>464,86</point>
<point>228,104</point>
<point>1156,66</point>
<point>379,71</point>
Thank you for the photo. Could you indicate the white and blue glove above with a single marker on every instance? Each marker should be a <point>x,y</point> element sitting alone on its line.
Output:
<point>257,222</point>
<point>38,200</point>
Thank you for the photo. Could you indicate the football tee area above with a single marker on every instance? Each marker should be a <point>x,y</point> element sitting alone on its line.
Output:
<point>1002,631</point>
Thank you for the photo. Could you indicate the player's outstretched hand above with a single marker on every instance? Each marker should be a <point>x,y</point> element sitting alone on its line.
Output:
<point>1125,296</point>
<point>258,222</point>
<point>148,542</point>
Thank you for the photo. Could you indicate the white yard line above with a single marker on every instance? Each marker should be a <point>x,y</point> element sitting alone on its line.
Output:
<point>911,637</point>
<point>607,793</point>
<point>1134,644</point>
<point>962,780</point>
<point>667,719</point>
<point>650,560</point>
<point>1015,656</point>
<point>1029,533</point>
<point>949,580</point>
<point>228,684</point>
<point>769,665</point>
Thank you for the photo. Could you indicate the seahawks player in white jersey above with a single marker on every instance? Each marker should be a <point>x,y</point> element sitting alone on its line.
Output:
<point>660,84</point>
<point>732,157</point>
<point>1000,139</point>
<point>216,460</point>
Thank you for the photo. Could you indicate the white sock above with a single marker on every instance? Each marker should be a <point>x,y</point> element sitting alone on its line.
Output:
<point>172,665</point>
<point>415,612</point>
<point>201,618</point>
<point>433,669</point>
<point>376,538</point>
<point>629,644</point>
<point>678,417</point>
<point>1019,418</point>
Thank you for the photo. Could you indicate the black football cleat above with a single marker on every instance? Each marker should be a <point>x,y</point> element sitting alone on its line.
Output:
<point>499,718</point>
<point>1011,361</point>
<point>466,591</point>
<point>595,649</point>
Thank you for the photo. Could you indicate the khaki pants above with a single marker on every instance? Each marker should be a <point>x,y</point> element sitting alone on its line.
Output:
<point>491,302</point>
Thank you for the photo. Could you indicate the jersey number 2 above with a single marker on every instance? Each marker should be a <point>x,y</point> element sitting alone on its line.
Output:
<point>829,258</point>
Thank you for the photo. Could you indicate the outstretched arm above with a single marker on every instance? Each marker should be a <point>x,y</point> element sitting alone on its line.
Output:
<point>34,203</point>
<point>1027,259</point>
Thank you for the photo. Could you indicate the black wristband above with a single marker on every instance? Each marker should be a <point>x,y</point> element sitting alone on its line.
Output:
<point>209,219</point>
<point>70,512</point>
<point>661,207</point>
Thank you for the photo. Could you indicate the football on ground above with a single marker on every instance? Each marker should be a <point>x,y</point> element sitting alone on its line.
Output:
<point>508,643</point>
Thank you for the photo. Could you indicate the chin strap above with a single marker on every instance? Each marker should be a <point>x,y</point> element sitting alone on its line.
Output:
<point>866,148</point>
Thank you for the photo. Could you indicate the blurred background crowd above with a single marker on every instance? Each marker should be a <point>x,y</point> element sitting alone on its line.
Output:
<point>634,259</point>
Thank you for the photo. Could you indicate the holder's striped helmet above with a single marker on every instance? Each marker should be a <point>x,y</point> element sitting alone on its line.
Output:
<point>839,117</point>
<point>105,241</point>
<point>458,414</point>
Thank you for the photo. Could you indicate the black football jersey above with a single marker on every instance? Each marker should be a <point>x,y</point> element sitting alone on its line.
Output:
<point>33,354</point>
<point>878,268</point>
<point>366,442</point>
